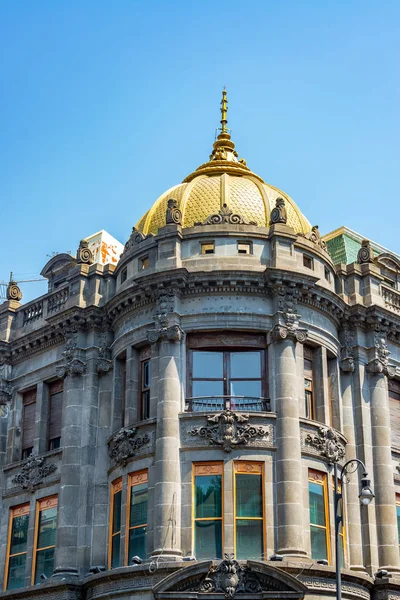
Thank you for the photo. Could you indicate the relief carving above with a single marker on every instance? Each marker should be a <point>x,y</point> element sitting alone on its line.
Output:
<point>225,215</point>
<point>173,215</point>
<point>6,391</point>
<point>328,444</point>
<point>134,239</point>
<point>103,363</point>
<point>379,362</point>
<point>84,255</point>
<point>72,357</point>
<point>347,350</point>
<point>33,473</point>
<point>125,444</point>
<point>314,236</point>
<point>165,305</point>
<point>288,325</point>
<point>365,254</point>
<point>229,429</point>
<point>278,213</point>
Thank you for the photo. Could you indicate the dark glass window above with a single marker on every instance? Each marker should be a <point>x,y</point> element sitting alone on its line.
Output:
<point>138,515</point>
<point>55,414</point>
<point>28,422</point>
<point>144,408</point>
<point>208,520</point>
<point>309,401</point>
<point>249,524</point>
<point>16,554</point>
<point>45,538</point>
<point>124,275</point>
<point>115,526</point>
<point>318,516</point>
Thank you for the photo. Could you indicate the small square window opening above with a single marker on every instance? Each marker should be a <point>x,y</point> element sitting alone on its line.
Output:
<point>207,248</point>
<point>144,263</point>
<point>308,261</point>
<point>327,274</point>
<point>244,248</point>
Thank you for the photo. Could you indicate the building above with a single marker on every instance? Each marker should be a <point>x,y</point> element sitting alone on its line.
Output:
<point>170,419</point>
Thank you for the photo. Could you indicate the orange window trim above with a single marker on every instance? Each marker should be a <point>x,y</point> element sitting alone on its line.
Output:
<point>116,486</point>
<point>208,468</point>
<point>43,504</point>
<point>243,467</point>
<point>15,512</point>
<point>136,478</point>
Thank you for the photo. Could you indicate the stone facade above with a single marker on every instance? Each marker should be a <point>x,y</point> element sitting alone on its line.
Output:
<point>120,340</point>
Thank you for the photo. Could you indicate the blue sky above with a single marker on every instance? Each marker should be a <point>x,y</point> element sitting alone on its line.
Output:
<point>105,105</point>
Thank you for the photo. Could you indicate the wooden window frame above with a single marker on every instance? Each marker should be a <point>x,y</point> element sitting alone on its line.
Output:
<point>143,262</point>
<point>57,385</point>
<point>41,505</point>
<point>116,486</point>
<point>309,395</point>
<point>243,467</point>
<point>320,478</point>
<point>228,343</point>
<point>32,399</point>
<point>136,478</point>
<point>145,357</point>
<point>204,469</point>
<point>15,512</point>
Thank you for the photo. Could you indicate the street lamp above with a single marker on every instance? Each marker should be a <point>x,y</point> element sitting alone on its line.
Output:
<point>366,496</point>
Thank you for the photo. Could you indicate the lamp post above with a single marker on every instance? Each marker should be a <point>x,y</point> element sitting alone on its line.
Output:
<point>366,496</point>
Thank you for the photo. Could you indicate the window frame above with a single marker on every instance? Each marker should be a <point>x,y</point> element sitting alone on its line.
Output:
<point>143,262</point>
<point>245,243</point>
<point>219,470</point>
<point>135,478</point>
<point>41,505</point>
<point>342,532</point>
<point>255,468</point>
<point>398,516</point>
<point>123,275</point>
<point>116,486</point>
<point>23,509</point>
<point>51,386</point>
<point>144,357</point>
<point>204,251</point>
<point>307,258</point>
<point>309,395</point>
<point>320,478</point>
<point>32,393</point>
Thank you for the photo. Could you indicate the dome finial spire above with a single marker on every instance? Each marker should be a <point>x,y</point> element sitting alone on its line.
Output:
<point>224,111</point>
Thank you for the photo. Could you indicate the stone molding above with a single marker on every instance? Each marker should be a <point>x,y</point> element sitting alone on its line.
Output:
<point>33,473</point>
<point>125,444</point>
<point>278,213</point>
<point>327,443</point>
<point>173,214</point>
<point>229,429</point>
<point>324,584</point>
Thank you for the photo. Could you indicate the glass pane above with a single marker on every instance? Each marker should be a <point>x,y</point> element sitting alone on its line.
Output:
<point>116,524</point>
<point>19,534</point>
<point>317,508</point>
<point>246,388</point>
<point>137,543</point>
<point>398,521</point>
<point>115,558</point>
<point>208,539</point>
<point>318,543</point>
<point>246,364</point>
<point>249,540</point>
<point>138,514</point>
<point>248,496</point>
<point>44,564</point>
<point>146,404</point>
<point>208,388</point>
<point>208,496</point>
<point>47,528</point>
<point>146,374</point>
<point>16,572</point>
<point>208,364</point>
<point>341,548</point>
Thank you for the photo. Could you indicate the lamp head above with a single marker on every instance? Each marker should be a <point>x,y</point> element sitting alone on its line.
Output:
<point>366,495</point>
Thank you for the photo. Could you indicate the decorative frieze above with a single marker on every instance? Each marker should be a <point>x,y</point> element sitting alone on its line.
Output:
<point>33,473</point>
<point>225,215</point>
<point>278,213</point>
<point>84,255</point>
<point>229,429</point>
<point>327,443</point>
<point>125,444</point>
<point>173,215</point>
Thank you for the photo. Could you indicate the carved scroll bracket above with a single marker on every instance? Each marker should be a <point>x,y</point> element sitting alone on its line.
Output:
<point>73,363</point>
<point>347,350</point>
<point>165,306</point>
<point>125,444</point>
<point>328,444</point>
<point>33,473</point>
<point>287,318</point>
<point>379,354</point>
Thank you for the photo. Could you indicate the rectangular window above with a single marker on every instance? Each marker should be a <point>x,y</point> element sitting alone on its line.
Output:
<point>244,248</point>
<point>327,274</point>
<point>145,374</point>
<point>55,414</point>
<point>17,547</point>
<point>309,400</point>
<point>342,529</point>
<point>114,554</point>
<point>28,422</point>
<point>394,406</point>
<point>249,516</point>
<point>207,248</point>
<point>319,515</point>
<point>143,263</point>
<point>208,510</point>
<point>45,538</point>
<point>124,275</point>
<point>308,262</point>
<point>398,516</point>
<point>137,515</point>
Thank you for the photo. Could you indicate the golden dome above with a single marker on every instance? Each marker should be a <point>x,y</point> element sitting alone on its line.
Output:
<point>225,179</point>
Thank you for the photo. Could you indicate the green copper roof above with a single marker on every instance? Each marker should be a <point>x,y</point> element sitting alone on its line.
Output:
<point>343,245</point>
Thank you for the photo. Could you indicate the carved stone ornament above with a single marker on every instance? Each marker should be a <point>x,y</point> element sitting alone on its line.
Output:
<point>33,473</point>
<point>134,239</point>
<point>84,255</point>
<point>72,363</point>
<point>288,325</point>
<point>6,391</point>
<point>13,292</point>
<point>365,253</point>
<point>229,429</point>
<point>125,444</point>
<point>173,215</point>
<point>379,362</point>
<point>165,304</point>
<point>231,578</point>
<point>278,213</point>
<point>225,215</point>
<point>347,351</point>
<point>328,444</point>
<point>315,237</point>
<point>103,363</point>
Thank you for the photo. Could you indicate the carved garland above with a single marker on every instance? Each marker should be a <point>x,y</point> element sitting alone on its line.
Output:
<point>33,473</point>
<point>125,444</point>
<point>328,444</point>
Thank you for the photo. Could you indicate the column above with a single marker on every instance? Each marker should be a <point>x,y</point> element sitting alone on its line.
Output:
<point>290,539</point>
<point>167,488</point>
<point>385,502</point>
